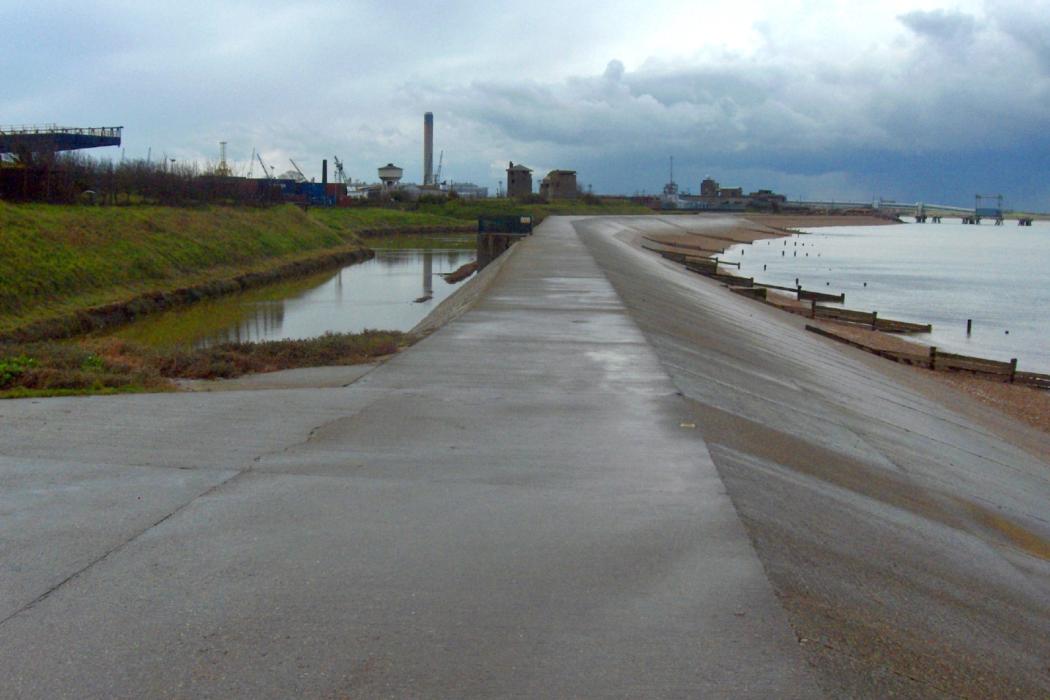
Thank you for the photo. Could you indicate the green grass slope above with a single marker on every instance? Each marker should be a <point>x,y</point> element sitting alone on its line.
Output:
<point>58,259</point>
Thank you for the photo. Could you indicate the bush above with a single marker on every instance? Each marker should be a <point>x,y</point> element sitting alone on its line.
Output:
<point>14,367</point>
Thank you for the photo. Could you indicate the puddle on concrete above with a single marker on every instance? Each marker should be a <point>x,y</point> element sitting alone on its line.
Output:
<point>380,293</point>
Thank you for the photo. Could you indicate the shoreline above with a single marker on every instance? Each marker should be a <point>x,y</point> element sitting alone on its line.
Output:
<point>1026,404</point>
<point>927,275</point>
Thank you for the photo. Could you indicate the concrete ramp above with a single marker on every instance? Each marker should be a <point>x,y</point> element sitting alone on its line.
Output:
<point>522,505</point>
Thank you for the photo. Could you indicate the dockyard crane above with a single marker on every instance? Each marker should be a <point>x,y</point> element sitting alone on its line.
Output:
<point>441,161</point>
<point>297,169</point>
<point>340,174</point>
<point>266,171</point>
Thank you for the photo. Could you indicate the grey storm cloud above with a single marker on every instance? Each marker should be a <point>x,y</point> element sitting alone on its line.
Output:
<point>951,88</point>
<point>741,106</point>
<point>941,24</point>
<point>805,97</point>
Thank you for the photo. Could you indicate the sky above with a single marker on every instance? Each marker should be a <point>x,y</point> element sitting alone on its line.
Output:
<point>905,100</point>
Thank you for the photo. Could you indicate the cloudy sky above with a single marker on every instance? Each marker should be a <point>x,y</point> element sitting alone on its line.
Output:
<point>907,99</point>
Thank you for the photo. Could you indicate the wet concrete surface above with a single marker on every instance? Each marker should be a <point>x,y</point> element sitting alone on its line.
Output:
<point>904,529</point>
<point>522,505</point>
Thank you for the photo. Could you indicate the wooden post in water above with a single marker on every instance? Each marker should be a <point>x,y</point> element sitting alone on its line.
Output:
<point>798,291</point>
<point>812,308</point>
<point>969,325</point>
<point>874,320</point>
<point>933,357</point>
<point>1013,369</point>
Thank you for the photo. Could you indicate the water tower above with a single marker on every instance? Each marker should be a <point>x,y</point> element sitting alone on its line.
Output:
<point>390,175</point>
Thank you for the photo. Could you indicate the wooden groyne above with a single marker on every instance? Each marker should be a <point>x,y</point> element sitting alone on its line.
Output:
<point>977,365</point>
<point>932,359</point>
<point>807,295</point>
<point>1041,381</point>
<point>687,246</point>
<point>804,294</point>
<point>868,318</point>
<point>759,293</point>
<point>708,267</point>
<point>936,360</point>
<point>918,358</point>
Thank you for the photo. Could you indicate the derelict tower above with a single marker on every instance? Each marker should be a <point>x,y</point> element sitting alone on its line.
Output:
<point>428,148</point>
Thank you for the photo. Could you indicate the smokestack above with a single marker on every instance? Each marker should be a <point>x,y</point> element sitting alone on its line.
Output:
<point>428,148</point>
<point>324,171</point>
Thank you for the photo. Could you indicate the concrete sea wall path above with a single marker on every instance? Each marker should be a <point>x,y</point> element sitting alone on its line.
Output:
<point>904,527</point>
<point>521,505</point>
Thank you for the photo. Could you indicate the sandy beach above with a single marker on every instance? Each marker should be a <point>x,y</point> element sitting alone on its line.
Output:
<point>718,231</point>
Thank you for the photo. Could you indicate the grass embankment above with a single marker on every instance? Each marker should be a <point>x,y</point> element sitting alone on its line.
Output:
<point>466,211</point>
<point>65,264</point>
<point>58,260</point>
<point>114,366</point>
<point>471,209</point>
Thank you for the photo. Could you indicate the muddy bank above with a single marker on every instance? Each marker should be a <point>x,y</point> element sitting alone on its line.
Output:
<point>794,221</point>
<point>109,315</point>
<point>461,273</point>
<point>416,230</point>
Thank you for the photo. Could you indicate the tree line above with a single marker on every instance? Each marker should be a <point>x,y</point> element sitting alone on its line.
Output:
<point>77,178</point>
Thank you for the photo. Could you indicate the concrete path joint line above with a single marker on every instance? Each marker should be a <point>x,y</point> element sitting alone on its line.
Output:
<point>105,555</point>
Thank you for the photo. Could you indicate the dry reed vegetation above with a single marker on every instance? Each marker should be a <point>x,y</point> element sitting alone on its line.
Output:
<point>112,366</point>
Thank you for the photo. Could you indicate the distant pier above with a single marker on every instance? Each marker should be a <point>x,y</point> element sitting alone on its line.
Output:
<point>972,217</point>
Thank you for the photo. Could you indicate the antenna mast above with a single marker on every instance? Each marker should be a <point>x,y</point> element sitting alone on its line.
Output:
<point>223,170</point>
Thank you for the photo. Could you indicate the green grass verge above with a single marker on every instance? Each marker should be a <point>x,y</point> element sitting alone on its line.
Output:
<point>108,366</point>
<point>60,259</point>
<point>470,209</point>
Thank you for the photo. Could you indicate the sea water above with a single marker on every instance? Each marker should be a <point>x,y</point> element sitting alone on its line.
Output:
<point>942,274</point>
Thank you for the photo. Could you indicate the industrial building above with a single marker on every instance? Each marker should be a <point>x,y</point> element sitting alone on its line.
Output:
<point>28,170</point>
<point>519,180</point>
<point>559,184</point>
<point>710,189</point>
<point>715,197</point>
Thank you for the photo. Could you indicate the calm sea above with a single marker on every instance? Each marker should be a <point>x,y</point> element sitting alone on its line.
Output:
<point>943,274</point>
